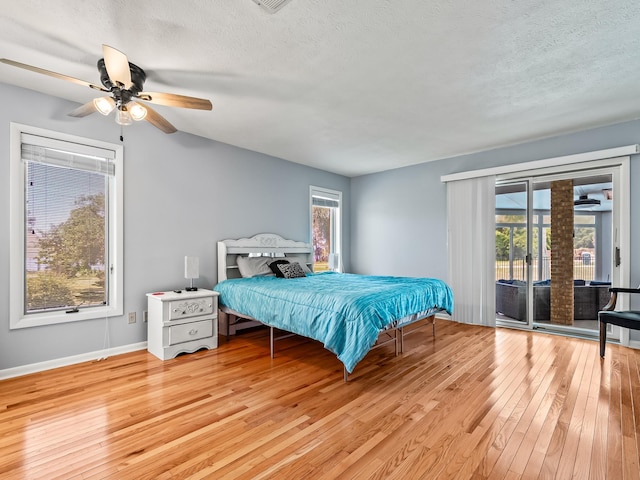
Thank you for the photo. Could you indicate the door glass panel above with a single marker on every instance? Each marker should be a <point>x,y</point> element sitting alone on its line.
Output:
<point>541,291</point>
<point>576,277</point>
<point>511,252</point>
<point>593,253</point>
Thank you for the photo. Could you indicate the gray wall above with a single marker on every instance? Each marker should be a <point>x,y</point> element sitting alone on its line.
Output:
<point>399,220</point>
<point>182,194</point>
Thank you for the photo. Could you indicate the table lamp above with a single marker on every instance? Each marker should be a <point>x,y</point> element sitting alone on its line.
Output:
<point>191,271</point>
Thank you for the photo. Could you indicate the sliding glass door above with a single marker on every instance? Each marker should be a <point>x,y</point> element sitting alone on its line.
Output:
<point>513,261</point>
<point>556,250</point>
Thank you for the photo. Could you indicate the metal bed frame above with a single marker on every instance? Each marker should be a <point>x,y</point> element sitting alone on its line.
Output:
<point>397,337</point>
<point>270,244</point>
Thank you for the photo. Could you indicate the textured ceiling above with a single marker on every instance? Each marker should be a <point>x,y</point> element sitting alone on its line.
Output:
<point>355,86</point>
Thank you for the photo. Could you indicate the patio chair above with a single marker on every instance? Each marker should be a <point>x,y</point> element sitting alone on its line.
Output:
<point>626,318</point>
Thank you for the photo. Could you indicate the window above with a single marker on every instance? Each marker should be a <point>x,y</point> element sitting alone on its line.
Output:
<point>66,228</point>
<point>325,228</point>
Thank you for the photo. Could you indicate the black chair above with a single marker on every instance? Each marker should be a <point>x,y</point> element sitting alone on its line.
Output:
<point>626,319</point>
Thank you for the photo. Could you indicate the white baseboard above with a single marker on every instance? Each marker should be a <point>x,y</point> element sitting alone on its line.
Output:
<point>63,362</point>
<point>87,357</point>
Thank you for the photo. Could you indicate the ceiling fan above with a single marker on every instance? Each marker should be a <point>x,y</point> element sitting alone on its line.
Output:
<point>586,200</point>
<point>124,82</point>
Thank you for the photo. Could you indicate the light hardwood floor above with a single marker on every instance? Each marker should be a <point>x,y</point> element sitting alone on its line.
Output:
<point>472,403</point>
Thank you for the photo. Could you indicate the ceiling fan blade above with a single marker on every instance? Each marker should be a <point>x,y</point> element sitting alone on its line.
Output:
<point>117,66</point>
<point>52,74</point>
<point>84,110</point>
<point>158,121</point>
<point>173,100</point>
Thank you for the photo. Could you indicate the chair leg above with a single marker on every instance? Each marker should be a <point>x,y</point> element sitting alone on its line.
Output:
<point>603,338</point>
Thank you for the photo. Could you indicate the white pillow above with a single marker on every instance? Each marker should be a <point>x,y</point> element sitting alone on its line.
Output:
<point>254,266</point>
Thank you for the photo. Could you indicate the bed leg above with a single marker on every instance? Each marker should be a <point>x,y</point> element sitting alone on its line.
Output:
<point>397,342</point>
<point>346,374</point>
<point>433,322</point>
<point>271,342</point>
<point>402,340</point>
<point>223,324</point>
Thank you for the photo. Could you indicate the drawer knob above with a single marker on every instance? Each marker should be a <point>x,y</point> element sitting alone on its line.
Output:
<point>193,331</point>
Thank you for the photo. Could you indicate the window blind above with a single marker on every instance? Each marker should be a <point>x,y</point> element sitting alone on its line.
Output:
<point>66,222</point>
<point>324,202</point>
<point>63,154</point>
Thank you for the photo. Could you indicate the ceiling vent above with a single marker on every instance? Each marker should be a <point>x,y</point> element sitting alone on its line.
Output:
<point>585,200</point>
<point>272,6</point>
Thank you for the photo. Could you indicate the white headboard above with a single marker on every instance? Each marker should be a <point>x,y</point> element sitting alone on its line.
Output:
<point>268,244</point>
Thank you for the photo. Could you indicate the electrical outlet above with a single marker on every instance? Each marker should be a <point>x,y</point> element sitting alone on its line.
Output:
<point>132,317</point>
<point>145,316</point>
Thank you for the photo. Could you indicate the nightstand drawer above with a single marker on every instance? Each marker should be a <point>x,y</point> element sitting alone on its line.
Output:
<point>190,331</point>
<point>192,307</point>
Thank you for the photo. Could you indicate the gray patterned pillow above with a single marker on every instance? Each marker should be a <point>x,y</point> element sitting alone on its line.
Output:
<point>291,270</point>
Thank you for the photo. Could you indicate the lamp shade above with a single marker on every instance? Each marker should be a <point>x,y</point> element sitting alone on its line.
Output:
<point>123,117</point>
<point>104,105</point>
<point>137,111</point>
<point>191,267</point>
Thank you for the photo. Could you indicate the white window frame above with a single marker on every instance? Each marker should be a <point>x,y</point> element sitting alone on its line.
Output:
<point>18,317</point>
<point>336,225</point>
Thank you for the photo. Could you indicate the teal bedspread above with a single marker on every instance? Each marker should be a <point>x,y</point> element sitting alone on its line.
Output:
<point>344,311</point>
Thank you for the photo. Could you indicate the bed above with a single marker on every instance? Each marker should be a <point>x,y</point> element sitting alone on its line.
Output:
<point>349,314</point>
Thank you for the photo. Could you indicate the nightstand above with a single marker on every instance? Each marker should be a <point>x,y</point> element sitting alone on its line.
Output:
<point>181,322</point>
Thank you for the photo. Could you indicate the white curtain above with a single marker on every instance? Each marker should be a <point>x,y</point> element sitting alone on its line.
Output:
<point>471,245</point>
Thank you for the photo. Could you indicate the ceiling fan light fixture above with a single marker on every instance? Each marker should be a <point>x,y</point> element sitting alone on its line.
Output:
<point>104,105</point>
<point>123,117</point>
<point>137,111</point>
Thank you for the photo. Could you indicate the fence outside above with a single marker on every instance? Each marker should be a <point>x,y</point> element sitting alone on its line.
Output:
<point>582,269</point>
